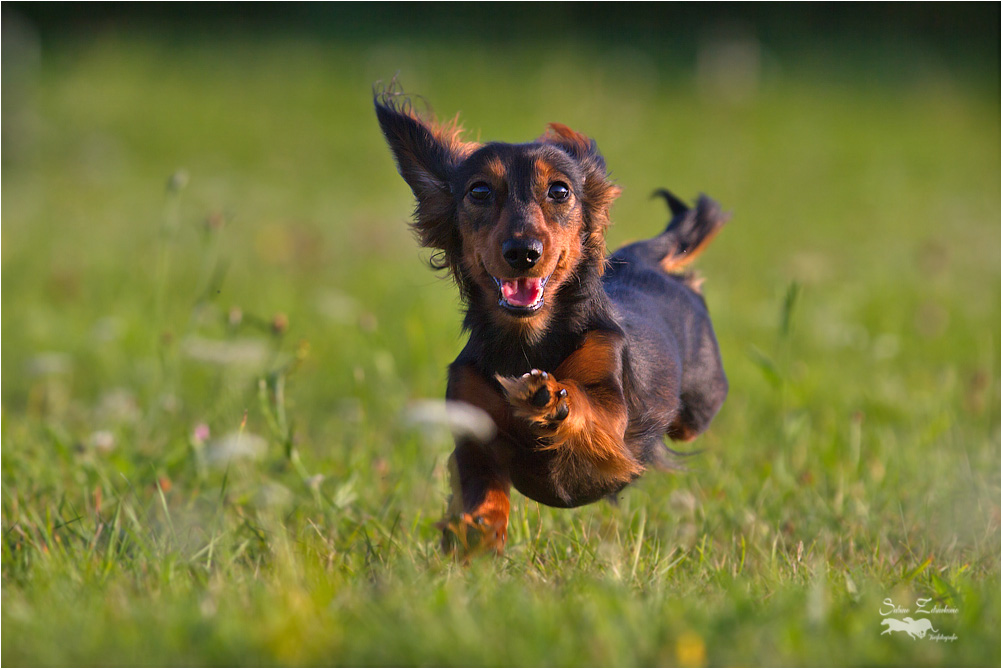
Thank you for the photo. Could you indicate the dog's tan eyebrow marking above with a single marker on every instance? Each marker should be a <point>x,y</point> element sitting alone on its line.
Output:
<point>544,174</point>
<point>493,167</point>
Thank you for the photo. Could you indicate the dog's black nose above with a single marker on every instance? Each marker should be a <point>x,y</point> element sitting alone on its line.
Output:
<point>522,254</point>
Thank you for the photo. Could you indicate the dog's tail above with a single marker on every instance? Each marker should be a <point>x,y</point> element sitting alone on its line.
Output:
<point>689,232</point>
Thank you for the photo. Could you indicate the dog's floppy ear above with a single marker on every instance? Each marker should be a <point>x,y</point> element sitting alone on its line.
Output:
<point>427,154</point>
<point>600,192</point>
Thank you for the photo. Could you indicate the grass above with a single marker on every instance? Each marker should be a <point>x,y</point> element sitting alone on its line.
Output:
<point>208,236</point>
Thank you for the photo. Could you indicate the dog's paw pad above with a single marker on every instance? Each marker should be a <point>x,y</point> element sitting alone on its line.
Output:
<point>537,397</point>
<point>541,398</point>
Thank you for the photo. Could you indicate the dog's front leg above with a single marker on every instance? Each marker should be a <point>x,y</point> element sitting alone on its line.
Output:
<point>477,517</point>
<point>580,408</point>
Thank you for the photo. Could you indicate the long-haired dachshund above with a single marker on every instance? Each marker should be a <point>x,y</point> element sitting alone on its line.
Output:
<point>584,361</point>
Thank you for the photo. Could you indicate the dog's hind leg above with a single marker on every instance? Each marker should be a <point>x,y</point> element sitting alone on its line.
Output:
<point>704,386</point>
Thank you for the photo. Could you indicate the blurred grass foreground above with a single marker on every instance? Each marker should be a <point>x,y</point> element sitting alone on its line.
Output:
<point>217,336</point>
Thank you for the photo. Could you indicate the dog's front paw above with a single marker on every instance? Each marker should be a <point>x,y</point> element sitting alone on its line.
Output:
<point>466,535</point>
<point>539,398</point>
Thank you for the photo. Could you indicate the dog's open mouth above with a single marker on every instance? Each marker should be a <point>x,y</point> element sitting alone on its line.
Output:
<point>523,295</point>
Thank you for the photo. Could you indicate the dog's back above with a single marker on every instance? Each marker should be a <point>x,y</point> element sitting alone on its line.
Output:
<point>673,350</point>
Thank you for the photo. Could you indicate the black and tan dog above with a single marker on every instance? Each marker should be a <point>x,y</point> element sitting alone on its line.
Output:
<point>584,361</point>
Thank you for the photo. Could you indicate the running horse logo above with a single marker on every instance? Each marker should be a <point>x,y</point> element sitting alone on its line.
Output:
<point>916,629</point>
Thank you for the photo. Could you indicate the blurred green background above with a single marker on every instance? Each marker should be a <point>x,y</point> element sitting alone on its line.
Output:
<point>215,323</point>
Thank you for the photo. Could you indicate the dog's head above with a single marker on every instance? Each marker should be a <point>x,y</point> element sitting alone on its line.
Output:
<point>512,222</point>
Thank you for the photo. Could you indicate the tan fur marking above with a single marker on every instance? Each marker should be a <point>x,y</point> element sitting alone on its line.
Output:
<point>694,281</point>
<point>543,174</point>
<point>484,528</point>
<point>495,168</point>
<point>559,131</point>
<point>449,133</point>
<point>676,262</point>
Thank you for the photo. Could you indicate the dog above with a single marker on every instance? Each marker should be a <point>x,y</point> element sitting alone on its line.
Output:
<point>583,361</point>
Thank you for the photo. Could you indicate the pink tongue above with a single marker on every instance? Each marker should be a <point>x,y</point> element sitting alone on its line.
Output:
<point>521,292</point>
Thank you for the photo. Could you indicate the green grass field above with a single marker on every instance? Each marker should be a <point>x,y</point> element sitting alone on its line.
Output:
<point>214,321</point>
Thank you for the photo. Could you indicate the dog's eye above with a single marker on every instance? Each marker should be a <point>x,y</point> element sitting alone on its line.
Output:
<point>559,191</point>
<point>480,191</point>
